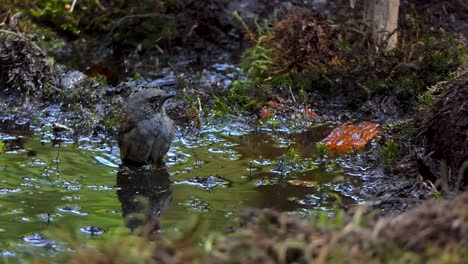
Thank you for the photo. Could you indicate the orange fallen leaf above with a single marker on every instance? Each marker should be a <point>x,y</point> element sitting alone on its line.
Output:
<point>347,137</point>
<point>273,104</point>
<point>264,113</point>
<point>309,112</point>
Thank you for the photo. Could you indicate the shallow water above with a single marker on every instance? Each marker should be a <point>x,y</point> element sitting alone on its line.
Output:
<point>58,180</point>
<point>77,185</point>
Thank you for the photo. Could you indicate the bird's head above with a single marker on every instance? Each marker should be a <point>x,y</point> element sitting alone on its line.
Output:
<point>146,103</point>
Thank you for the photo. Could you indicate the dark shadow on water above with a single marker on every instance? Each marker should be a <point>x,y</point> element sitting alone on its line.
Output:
<point>145,194</point>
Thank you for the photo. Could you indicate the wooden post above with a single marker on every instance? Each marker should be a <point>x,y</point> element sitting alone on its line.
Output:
<point>383,16</point>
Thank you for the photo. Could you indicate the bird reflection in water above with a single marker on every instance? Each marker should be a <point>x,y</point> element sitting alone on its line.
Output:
<point>144,193</point>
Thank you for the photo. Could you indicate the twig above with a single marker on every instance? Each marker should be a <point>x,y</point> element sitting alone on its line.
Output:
<point>99,5</point>
<point>462,169</point>
<point>387,37</point>
<point>199,104</point>
<point>250,34</point>
<point>56,161</point>
<point>4,21</point>
<point>292,94</point>
<point>462,4</point>
<point>57,157</point>
<point>73,6</point>
<point>444,176</point>
<point>177,75</point>
<point>393,70</point>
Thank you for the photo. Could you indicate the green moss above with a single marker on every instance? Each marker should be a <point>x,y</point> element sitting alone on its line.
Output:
<point>143,25</point>
<point>271,121</point>
<point>111,123</point>
<point>220,107</point>
<point>245,95</point>
<point>56,13</point>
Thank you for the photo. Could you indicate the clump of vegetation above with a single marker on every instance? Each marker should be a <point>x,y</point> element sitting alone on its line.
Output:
<point>302,40</point>
<point>280,57</point>
<point>307,52</point>
<point>428,98</point>
<point>288,162</point>
<point>143,245</point>
<point>292,162</point>
<point>322,149</point>
<point>153,26</point>
<point>26,71</point>
<point>220,107</point>
<point>390,153</point>
<point>24,67</point>
<point>271,237</point>
<point>128,25</point>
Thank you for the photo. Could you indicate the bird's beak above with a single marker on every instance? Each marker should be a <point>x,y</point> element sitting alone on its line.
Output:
<point>167,96</point>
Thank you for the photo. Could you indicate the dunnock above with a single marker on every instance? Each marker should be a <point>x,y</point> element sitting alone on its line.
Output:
<point>146,131</point>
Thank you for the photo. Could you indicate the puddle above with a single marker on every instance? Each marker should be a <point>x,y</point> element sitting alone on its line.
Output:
<point>52,178</point>
<point>214,172</point>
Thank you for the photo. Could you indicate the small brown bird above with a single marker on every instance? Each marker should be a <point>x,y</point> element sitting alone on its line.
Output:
<point>146,131</point>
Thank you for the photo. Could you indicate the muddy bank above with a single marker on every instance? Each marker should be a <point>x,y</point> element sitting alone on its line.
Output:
<point>433,145</point>
<point>270,237</point>
<point>434,232</point>
<point>441,145</point>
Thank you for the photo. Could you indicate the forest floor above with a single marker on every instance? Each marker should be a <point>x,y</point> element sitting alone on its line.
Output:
<point>417,209</point>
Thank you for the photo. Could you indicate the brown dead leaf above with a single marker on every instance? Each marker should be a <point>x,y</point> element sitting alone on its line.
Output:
<point>349,137</point>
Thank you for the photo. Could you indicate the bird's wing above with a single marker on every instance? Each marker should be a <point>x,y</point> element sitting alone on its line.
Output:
<point>126,126</point>
<point>135,142</point>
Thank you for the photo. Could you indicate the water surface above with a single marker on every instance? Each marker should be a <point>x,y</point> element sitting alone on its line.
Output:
<point>214,172</point>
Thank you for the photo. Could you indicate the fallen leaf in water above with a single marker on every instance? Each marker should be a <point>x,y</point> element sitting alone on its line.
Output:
<point>348,137</point>
<point>309,112</point>
<point>301,183</point>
